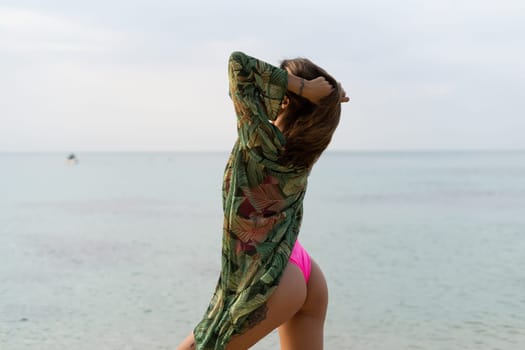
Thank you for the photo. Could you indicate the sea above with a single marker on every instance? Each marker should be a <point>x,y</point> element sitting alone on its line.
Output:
<point>121,251</point>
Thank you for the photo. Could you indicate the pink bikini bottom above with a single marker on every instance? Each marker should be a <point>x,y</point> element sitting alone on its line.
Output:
<point>301,258</point>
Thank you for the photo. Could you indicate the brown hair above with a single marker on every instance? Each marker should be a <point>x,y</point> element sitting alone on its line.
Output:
<point>308,128</point>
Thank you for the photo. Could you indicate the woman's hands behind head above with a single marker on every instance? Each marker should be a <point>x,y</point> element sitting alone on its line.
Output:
<point>317,89</point>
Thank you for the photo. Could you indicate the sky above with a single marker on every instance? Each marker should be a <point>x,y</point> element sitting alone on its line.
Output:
<point>151,75</point>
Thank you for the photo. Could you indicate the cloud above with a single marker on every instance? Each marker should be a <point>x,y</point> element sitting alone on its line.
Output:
<point>152,74</point>
<point>37,32</point>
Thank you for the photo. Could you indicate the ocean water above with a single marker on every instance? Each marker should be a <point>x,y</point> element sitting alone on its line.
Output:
<point>421,250</point>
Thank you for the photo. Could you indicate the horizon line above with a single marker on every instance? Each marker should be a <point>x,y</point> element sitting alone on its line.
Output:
<point>421,150</point>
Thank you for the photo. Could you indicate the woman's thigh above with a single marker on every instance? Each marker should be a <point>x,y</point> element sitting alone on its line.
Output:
<point>188,343</point>
<point>282,305</point>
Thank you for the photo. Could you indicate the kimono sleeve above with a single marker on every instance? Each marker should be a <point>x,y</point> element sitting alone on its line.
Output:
<point>257,89</point>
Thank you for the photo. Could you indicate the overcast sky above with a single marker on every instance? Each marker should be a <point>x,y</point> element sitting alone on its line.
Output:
<point>151,75</point>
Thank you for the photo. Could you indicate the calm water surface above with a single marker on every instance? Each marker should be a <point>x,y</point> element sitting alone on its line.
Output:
<point>422,250</point>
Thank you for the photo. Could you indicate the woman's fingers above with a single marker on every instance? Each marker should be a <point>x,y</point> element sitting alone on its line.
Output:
<point>323,86</point>
<point>319,88</point>
<point>316,89</point>
<point>343,98</point>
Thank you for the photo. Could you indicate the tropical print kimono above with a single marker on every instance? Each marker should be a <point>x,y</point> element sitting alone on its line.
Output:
<point>262,202</point>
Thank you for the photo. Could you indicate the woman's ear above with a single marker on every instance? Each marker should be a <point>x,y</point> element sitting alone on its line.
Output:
<point>285,102</point>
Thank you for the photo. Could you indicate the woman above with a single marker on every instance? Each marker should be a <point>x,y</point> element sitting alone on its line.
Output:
<point>285,119</point>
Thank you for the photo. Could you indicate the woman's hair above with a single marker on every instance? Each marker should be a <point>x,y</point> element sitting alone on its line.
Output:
<point>308,128</point>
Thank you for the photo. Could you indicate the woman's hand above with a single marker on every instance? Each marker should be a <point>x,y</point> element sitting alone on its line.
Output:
<point>316,89</point>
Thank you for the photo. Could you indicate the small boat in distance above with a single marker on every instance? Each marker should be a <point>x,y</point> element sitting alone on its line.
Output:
<point>72,159</point>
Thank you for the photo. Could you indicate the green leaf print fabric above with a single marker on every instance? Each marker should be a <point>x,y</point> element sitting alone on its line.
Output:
<point>262,202</point>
